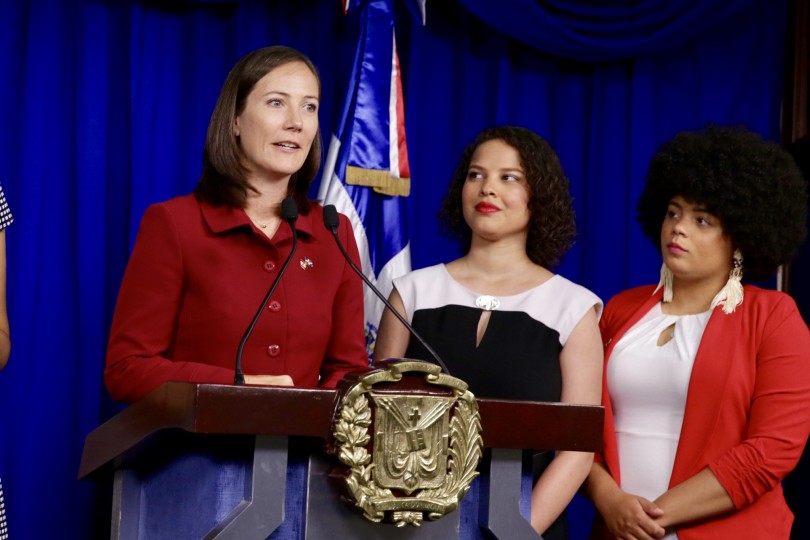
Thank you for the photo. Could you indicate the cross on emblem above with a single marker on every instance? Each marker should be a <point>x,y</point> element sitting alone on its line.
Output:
<point>415,415</point>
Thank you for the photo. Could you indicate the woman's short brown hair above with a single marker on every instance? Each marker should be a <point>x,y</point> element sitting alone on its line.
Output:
<point>224,177</point>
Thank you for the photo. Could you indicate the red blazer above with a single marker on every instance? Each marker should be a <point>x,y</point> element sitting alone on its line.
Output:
<point>747,413</point>
<point>194,281</point>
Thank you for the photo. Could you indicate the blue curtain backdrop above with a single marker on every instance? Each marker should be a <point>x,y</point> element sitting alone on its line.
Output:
<point>104,106</point>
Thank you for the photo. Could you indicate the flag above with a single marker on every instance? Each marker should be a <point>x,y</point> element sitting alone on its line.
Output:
<point>417,7</point>
<point>366,174</point>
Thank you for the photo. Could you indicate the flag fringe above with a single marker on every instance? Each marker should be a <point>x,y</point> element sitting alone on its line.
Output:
<point>382,181</point>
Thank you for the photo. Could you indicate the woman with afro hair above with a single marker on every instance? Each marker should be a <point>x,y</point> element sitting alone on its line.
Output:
<point>498,316</point>
<point>707,381</point>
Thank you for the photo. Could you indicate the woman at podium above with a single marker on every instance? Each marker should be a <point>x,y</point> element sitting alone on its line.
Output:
<point>499,318</point>
<point>202,263</point>
<point>707,380</point>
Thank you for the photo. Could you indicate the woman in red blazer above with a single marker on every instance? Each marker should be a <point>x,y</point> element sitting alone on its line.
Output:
<point>707,381</point>
<point>202,263</point>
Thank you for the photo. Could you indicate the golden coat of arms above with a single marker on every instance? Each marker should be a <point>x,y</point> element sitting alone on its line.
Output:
<point>425,447</point>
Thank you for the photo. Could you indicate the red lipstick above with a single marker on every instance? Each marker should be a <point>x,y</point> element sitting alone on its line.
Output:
<point>486,208</point>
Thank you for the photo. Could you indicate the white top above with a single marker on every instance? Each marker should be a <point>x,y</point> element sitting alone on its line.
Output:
<point>648,386</point>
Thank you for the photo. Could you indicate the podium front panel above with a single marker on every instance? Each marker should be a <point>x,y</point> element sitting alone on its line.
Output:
<point>183,486</point>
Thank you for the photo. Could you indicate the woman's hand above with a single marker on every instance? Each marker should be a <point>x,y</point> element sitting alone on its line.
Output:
<point>269,380</point>
<point>630,517</point>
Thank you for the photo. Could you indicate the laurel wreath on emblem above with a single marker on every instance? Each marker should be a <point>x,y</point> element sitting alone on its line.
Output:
<point>463,455</point>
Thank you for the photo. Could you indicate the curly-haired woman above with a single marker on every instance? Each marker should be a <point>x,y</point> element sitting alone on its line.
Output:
<point>498,316</point>
<point>707,381</point>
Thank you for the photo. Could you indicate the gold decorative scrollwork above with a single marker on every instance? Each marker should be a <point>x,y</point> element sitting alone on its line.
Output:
<point>426,446</point>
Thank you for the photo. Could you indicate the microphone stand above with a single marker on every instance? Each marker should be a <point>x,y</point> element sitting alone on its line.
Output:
<point>331,222</point>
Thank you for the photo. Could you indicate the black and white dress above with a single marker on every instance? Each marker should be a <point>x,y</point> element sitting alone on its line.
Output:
<point>5,220</point>
<point>3,528</point>
<point>5,214</point>
<point>519,354</point>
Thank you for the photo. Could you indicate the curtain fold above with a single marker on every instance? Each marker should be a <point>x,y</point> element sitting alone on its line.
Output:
<point>608,30</point>
<point>104,106</point>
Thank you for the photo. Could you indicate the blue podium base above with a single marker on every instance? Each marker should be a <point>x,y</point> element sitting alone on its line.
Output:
<point>184,486</point>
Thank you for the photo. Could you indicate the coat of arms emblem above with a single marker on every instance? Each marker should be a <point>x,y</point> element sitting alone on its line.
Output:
<point>425,447</point>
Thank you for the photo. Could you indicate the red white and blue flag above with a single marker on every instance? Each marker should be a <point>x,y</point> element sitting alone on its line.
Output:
<point>366,174</point>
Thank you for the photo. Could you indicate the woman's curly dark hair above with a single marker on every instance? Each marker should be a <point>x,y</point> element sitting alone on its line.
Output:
<point>753,186</point>
<point>551,223</point>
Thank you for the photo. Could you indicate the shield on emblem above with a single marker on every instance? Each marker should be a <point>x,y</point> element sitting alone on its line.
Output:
<point>411,441</point>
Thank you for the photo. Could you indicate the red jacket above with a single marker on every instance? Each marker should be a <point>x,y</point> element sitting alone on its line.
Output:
<point>747,413</point>
<point>194,281</point>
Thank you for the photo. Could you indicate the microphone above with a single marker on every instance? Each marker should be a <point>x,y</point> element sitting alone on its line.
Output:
<point>331,221</point>
<point>289,213</point>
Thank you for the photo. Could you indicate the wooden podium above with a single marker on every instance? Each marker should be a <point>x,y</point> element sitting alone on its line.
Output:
<point>240,462</point>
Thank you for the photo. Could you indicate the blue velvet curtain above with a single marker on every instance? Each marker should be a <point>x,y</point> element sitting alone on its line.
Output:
<point>104,106</point>
<point>608,30</point>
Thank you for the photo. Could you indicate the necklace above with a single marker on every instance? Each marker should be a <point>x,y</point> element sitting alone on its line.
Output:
<point>256,222</point>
